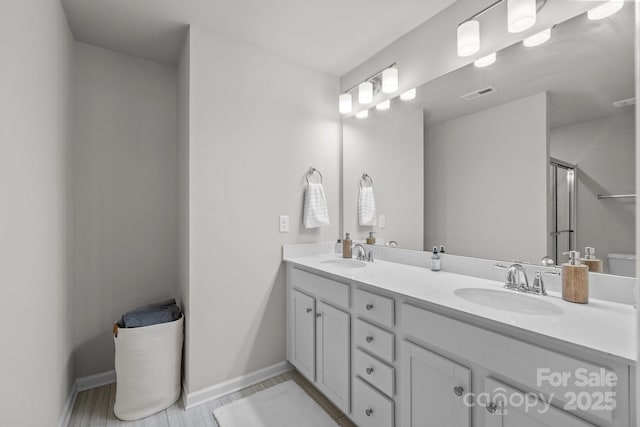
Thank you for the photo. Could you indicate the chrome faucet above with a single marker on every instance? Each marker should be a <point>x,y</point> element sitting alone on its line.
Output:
<point>361,254</point>
<point>518,281</point>
<point>516,278</point>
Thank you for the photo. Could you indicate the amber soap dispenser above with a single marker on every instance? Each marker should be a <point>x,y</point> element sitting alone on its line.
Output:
<point>575,279</point>
<point>346,247</point>
<point>590,260</point>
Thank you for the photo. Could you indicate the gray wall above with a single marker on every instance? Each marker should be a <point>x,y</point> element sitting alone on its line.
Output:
<point>125,191</point>
<point>36,364</point>
<point>604,150</point>
<point>256,125</point>
<point>183,195</point>
<point>390,148</point>
<point>486,182</point>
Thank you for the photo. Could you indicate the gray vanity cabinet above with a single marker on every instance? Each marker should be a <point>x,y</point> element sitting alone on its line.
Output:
<point>303,343</point>
<point>319,335</point>
<point>501,414</point>
<point>333,354</point>
<point>433,389</point>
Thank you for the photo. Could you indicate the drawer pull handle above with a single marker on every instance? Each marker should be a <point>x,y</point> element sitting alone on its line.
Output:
<point>369,371</point>
<point>369,338</point>
<point>309,310</point>
<point>368,412</point>
<point>492,408</point>
<point>369,307</point>
<point>318,314</point>
<point>458,391</point>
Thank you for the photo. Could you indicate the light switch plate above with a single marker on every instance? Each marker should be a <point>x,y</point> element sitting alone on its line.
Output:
<point>284,223</point>
<point>382,221</point>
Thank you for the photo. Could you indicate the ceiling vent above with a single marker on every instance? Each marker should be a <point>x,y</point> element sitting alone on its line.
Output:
<point>478,93</point>
<point>625,103</point>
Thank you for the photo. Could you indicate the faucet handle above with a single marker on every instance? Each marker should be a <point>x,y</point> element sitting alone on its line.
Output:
<point>538,284</point>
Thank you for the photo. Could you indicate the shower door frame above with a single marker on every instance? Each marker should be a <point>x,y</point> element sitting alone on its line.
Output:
<point>554,164</point>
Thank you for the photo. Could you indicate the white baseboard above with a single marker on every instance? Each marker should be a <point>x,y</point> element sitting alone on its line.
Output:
<point>84,384</point>
<point>94,381</point>
<point>199,397</point>
<point>68,406</point>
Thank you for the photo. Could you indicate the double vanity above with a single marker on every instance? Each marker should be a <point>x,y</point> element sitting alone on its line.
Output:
<point>395,344</point>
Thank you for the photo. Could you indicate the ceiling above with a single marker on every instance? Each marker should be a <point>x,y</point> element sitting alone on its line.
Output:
<point>585,67</point>
<point>333,36</point>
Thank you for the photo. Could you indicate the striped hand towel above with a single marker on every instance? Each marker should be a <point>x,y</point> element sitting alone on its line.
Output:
<point>366,206</point>
<point>316,213</point>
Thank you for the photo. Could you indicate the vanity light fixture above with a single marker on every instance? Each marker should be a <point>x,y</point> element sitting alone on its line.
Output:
<point>605,10</point>
<point>345,103</point>
<point>408,95</point>
<point>521,15</point>
<point>390,80</point>
<point>385,81</point>
<point>538,38</point>
<point>485,61</point>
<point>384,105</point>
<point>362,114</point>
<point>365,93</point>
<point>468,38</point>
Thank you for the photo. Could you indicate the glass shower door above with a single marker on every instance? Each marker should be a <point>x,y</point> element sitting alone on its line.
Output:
<point>563,205</point>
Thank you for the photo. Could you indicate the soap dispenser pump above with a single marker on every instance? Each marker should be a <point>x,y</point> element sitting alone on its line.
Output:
<point>594,264</point>
<point>435,260</point>
<point>346,247</point>
<point>371,240</point>
<point>575,279</point>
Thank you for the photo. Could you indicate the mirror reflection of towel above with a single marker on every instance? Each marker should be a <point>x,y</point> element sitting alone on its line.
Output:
<point>366,206</point>
<point>316,212</point>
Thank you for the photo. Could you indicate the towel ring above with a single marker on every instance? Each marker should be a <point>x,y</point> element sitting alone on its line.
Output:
<point>313,170</point>
<point>364,179</point>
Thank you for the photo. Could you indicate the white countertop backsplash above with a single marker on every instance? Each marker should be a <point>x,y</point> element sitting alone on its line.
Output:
<point>606,325</point>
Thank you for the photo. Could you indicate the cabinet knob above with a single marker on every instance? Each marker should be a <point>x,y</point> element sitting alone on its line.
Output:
<point>369,338</point>
<point>369,307</point>
<point>369,371</point>
<point>309,310</point>
<point>458,390</point>
<point>318,314</point>
<point>492,408</point>
<point>368,412</point>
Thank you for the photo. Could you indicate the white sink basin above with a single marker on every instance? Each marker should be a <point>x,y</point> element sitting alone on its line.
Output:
<point>510,301</point>
<point>345,263</point>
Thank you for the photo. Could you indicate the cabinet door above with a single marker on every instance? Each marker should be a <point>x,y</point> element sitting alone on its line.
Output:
<point>303,342</point>
<point>433,389</point>
<point>334,344</point>
<point>510,407</point>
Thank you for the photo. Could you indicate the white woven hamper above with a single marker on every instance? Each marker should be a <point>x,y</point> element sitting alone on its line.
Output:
<point>148,364</point>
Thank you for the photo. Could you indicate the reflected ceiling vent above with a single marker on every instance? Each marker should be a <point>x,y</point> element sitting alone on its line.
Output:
<point>625,103</point>
<point>478,93</point>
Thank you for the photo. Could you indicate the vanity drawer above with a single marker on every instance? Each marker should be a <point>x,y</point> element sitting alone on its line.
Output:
<point>375,340</point>
<point>378,374</point>
<point>326,289</point>
<point>374,307</point>
<point>370,408</point>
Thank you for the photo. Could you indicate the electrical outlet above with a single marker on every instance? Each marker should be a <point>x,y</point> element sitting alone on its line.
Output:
<point>284,223</point>
<point>382,221</point>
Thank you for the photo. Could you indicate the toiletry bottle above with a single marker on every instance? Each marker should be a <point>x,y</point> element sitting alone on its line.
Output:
<point>575,279</point>
<point>338,249</point>
<point>590,260</point>
<point>371,240</point>
<point>442,249</point>
<point>435,260</point>
<point>346,247</point>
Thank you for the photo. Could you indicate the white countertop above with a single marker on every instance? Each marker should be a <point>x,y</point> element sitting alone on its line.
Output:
<point>607,328</point>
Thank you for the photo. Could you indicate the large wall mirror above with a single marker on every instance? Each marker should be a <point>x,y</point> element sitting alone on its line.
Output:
<point>528,157</point>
